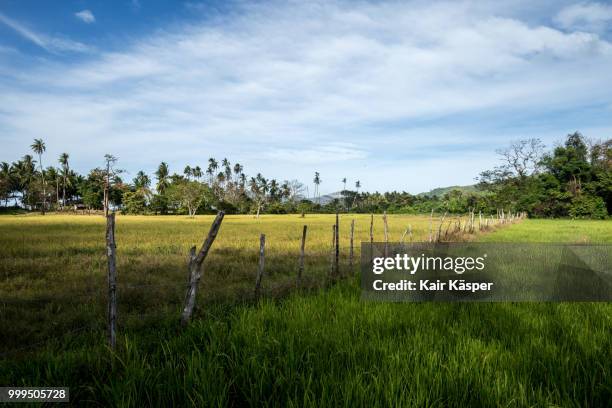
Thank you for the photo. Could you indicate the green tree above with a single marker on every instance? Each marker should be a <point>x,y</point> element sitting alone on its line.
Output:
<point>188,194</point>
<point>63,160</point>
<point>39,148</point>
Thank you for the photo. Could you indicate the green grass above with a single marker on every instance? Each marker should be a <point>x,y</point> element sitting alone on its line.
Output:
<point>324,348</point>
<point>572,231</point>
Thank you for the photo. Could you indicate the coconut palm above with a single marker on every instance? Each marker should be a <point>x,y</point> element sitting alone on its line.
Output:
<point>238,169</point>
<point>39,148</point>
<point>54,176</point>
<point>5,182</point>
<point>188,171</point>
<point>213,165</point>
<point>357,187</point>
<point>317,180</point>
<point>162,175</point>
<point>142,181</point>
<point>197,172</point>
<point>63,160</point>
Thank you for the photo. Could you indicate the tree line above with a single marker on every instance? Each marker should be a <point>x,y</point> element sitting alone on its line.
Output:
<point>572,180</point>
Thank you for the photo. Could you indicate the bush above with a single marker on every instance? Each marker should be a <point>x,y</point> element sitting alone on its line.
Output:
<point>134,202</point>
<point>588,206</point>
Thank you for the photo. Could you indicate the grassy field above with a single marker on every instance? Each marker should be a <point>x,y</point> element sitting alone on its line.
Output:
<point>320,348</point>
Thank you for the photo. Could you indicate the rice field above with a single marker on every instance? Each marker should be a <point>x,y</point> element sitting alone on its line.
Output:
<point>308,347</point>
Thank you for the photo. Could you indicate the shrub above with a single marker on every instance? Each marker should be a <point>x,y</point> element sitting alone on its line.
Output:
<point>588,206</point>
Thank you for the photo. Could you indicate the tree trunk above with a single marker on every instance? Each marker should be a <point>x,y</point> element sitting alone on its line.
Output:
<point>195,268</point>
<point>64,193</point>
<point>337,244</point>
<point>302,247</point>
<point>112,279</point>
<point>351,246</point>
<point>260,266</point>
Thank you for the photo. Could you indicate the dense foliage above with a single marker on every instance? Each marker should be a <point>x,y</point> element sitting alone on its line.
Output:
<point>572,180</point>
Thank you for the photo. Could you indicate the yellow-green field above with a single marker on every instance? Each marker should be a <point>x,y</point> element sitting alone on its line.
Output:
<point>295,348</point>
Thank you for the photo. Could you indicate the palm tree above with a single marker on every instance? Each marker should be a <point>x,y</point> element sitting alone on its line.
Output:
<point>142,181</point>
<point>188,171</point>
<point>317,181</point>
<point>357,187</point>
<point>344,183</point>
<point>238,169</point>
<point>39,148</point>
<point>162,174</point>
<point>212,167</point>
<point>63,160</point>
<point>197,172</point>
<point>23,172</point>
<point>53,175</point>
<point>5,182</point>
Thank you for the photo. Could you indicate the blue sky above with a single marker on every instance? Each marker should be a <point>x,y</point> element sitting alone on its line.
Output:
<point>400,95</point>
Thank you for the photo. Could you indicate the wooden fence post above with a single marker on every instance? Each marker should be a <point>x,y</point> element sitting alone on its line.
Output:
<point>431,226</point>
<point>386,234</point>
<point>331,266</point>
<point>371,228</point>
<point>439,237</point>
<point>337,244</point>
<point>112,279</point>
<point>260,267</point>
<point>195,268</point>
<point>301,267</point>
<point>351,245</point>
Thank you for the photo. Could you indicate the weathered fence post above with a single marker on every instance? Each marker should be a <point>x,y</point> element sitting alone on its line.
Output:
<point>386,233</point>
<point>351,245</point>
<point>260,267</point>
<point>337,244</point>
<point>333,253</point>
<point>195,268</point>
<point>439,237</point>
<point>112,279</point>
<point>301,267</point>
<point>431,226</point>
<point>371,237</point>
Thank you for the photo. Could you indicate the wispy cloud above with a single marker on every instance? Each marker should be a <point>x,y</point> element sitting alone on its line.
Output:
<point>585,16</point>
<point>50,44</point>
<point>86,16</point>
<point>372,90</point>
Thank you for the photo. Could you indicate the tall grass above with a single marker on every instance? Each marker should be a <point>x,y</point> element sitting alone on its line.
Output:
<point>322,349</point>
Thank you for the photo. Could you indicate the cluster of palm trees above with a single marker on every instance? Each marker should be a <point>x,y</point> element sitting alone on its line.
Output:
<point>35,186</point>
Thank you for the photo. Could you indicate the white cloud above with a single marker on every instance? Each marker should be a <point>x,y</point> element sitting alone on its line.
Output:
<point>85,16</point>
<point>313,155</point>
<point>345,87</point>
<point>585,16</point>
<point>50,44</point>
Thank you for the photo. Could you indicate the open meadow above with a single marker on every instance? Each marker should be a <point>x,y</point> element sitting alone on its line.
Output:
<point>315,346</point>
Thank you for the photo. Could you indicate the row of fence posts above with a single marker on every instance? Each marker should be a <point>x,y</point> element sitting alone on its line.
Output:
<point>469,226</point>
<point>196,259</point>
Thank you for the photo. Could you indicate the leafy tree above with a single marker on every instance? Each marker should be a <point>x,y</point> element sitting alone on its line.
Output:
<point>134,202</point>
<point>588,206</point>
<point>188,194</point>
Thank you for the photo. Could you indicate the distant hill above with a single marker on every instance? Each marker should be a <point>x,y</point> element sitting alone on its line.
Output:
<point>326,198</point>
<point>440,191</point>
<point>437,192</point>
